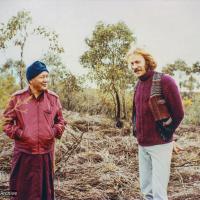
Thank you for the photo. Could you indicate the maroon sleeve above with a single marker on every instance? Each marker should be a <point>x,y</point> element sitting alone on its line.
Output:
<point>9,125</point>
<point>173,98</point>
<point>59,122</point>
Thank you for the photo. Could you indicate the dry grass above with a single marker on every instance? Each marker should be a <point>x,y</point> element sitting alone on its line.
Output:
<point>95,161</point>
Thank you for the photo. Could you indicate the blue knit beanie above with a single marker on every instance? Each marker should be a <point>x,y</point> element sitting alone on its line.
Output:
<point>35,69</point>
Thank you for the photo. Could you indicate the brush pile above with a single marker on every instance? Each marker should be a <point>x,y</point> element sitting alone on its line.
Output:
<point>96,161</point>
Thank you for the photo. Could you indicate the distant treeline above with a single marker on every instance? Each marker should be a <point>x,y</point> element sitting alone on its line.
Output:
<point>104,59</point>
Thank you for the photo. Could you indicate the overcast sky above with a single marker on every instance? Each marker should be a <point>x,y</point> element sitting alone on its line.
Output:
<point>169,29</point>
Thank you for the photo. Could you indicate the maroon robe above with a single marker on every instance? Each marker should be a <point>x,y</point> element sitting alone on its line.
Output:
<point>32,176</point>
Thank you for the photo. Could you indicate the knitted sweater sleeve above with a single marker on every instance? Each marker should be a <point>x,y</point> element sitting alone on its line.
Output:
<point>173,99</point>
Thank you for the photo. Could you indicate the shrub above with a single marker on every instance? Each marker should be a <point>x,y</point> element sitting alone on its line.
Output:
<point>192,110</point>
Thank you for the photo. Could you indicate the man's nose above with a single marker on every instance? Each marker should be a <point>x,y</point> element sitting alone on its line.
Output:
<point>46,79</point>
<point>133,66</point>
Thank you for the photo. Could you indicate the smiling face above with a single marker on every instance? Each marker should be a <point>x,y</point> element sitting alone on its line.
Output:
<point>40,82</point>
<point>138,64</point>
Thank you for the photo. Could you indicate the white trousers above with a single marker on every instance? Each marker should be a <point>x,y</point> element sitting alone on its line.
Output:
<point>154,170</point>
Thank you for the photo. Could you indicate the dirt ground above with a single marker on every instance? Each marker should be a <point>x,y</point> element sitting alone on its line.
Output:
<point>95,161</point>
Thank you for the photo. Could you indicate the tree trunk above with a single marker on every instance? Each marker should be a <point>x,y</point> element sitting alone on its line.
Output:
<point>118,111</point>
<point>113,97</point>
<point>119,123</point>
<point>124,106</point>
<point>21,76</point>
<point>21,67</point>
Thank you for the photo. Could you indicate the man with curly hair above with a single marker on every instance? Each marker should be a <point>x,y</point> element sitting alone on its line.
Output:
<point>157,112</point>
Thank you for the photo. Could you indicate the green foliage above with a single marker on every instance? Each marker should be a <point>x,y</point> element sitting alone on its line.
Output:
<point>190,83</point>
<point>187,75</point>
<point>94,102</point>
<point>16,68</point>
<point>63,82</point>
<point>16,32</point>
<point>196,67</point>
<point>107,49</point>
<point>15,29</point>
<point>192,112</point>
<point>178,65</point>
<point>67,88</point>
<point>105,59</point>
<point>86,101</point>
<point>7,87</point>
<point>52,37</point>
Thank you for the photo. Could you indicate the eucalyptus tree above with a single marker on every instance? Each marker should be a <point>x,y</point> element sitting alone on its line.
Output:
<point>16,33</point>
<point>104,58</point>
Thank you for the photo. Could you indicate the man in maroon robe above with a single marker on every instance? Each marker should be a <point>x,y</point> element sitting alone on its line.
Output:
<point>33,119</point>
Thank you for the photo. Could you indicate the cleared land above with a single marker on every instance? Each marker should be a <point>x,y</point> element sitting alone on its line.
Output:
<point>95,161</point>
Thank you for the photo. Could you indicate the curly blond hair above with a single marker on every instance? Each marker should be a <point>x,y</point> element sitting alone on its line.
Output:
<point>149,60</point>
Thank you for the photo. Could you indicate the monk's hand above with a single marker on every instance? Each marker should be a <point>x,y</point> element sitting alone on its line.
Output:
<point>176,148</point>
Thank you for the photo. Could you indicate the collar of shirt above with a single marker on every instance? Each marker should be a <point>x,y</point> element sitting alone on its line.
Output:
<point>40,97</point>
<point>147,75</point>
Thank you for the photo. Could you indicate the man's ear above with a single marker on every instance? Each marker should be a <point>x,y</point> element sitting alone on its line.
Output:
<point>147,67</point>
